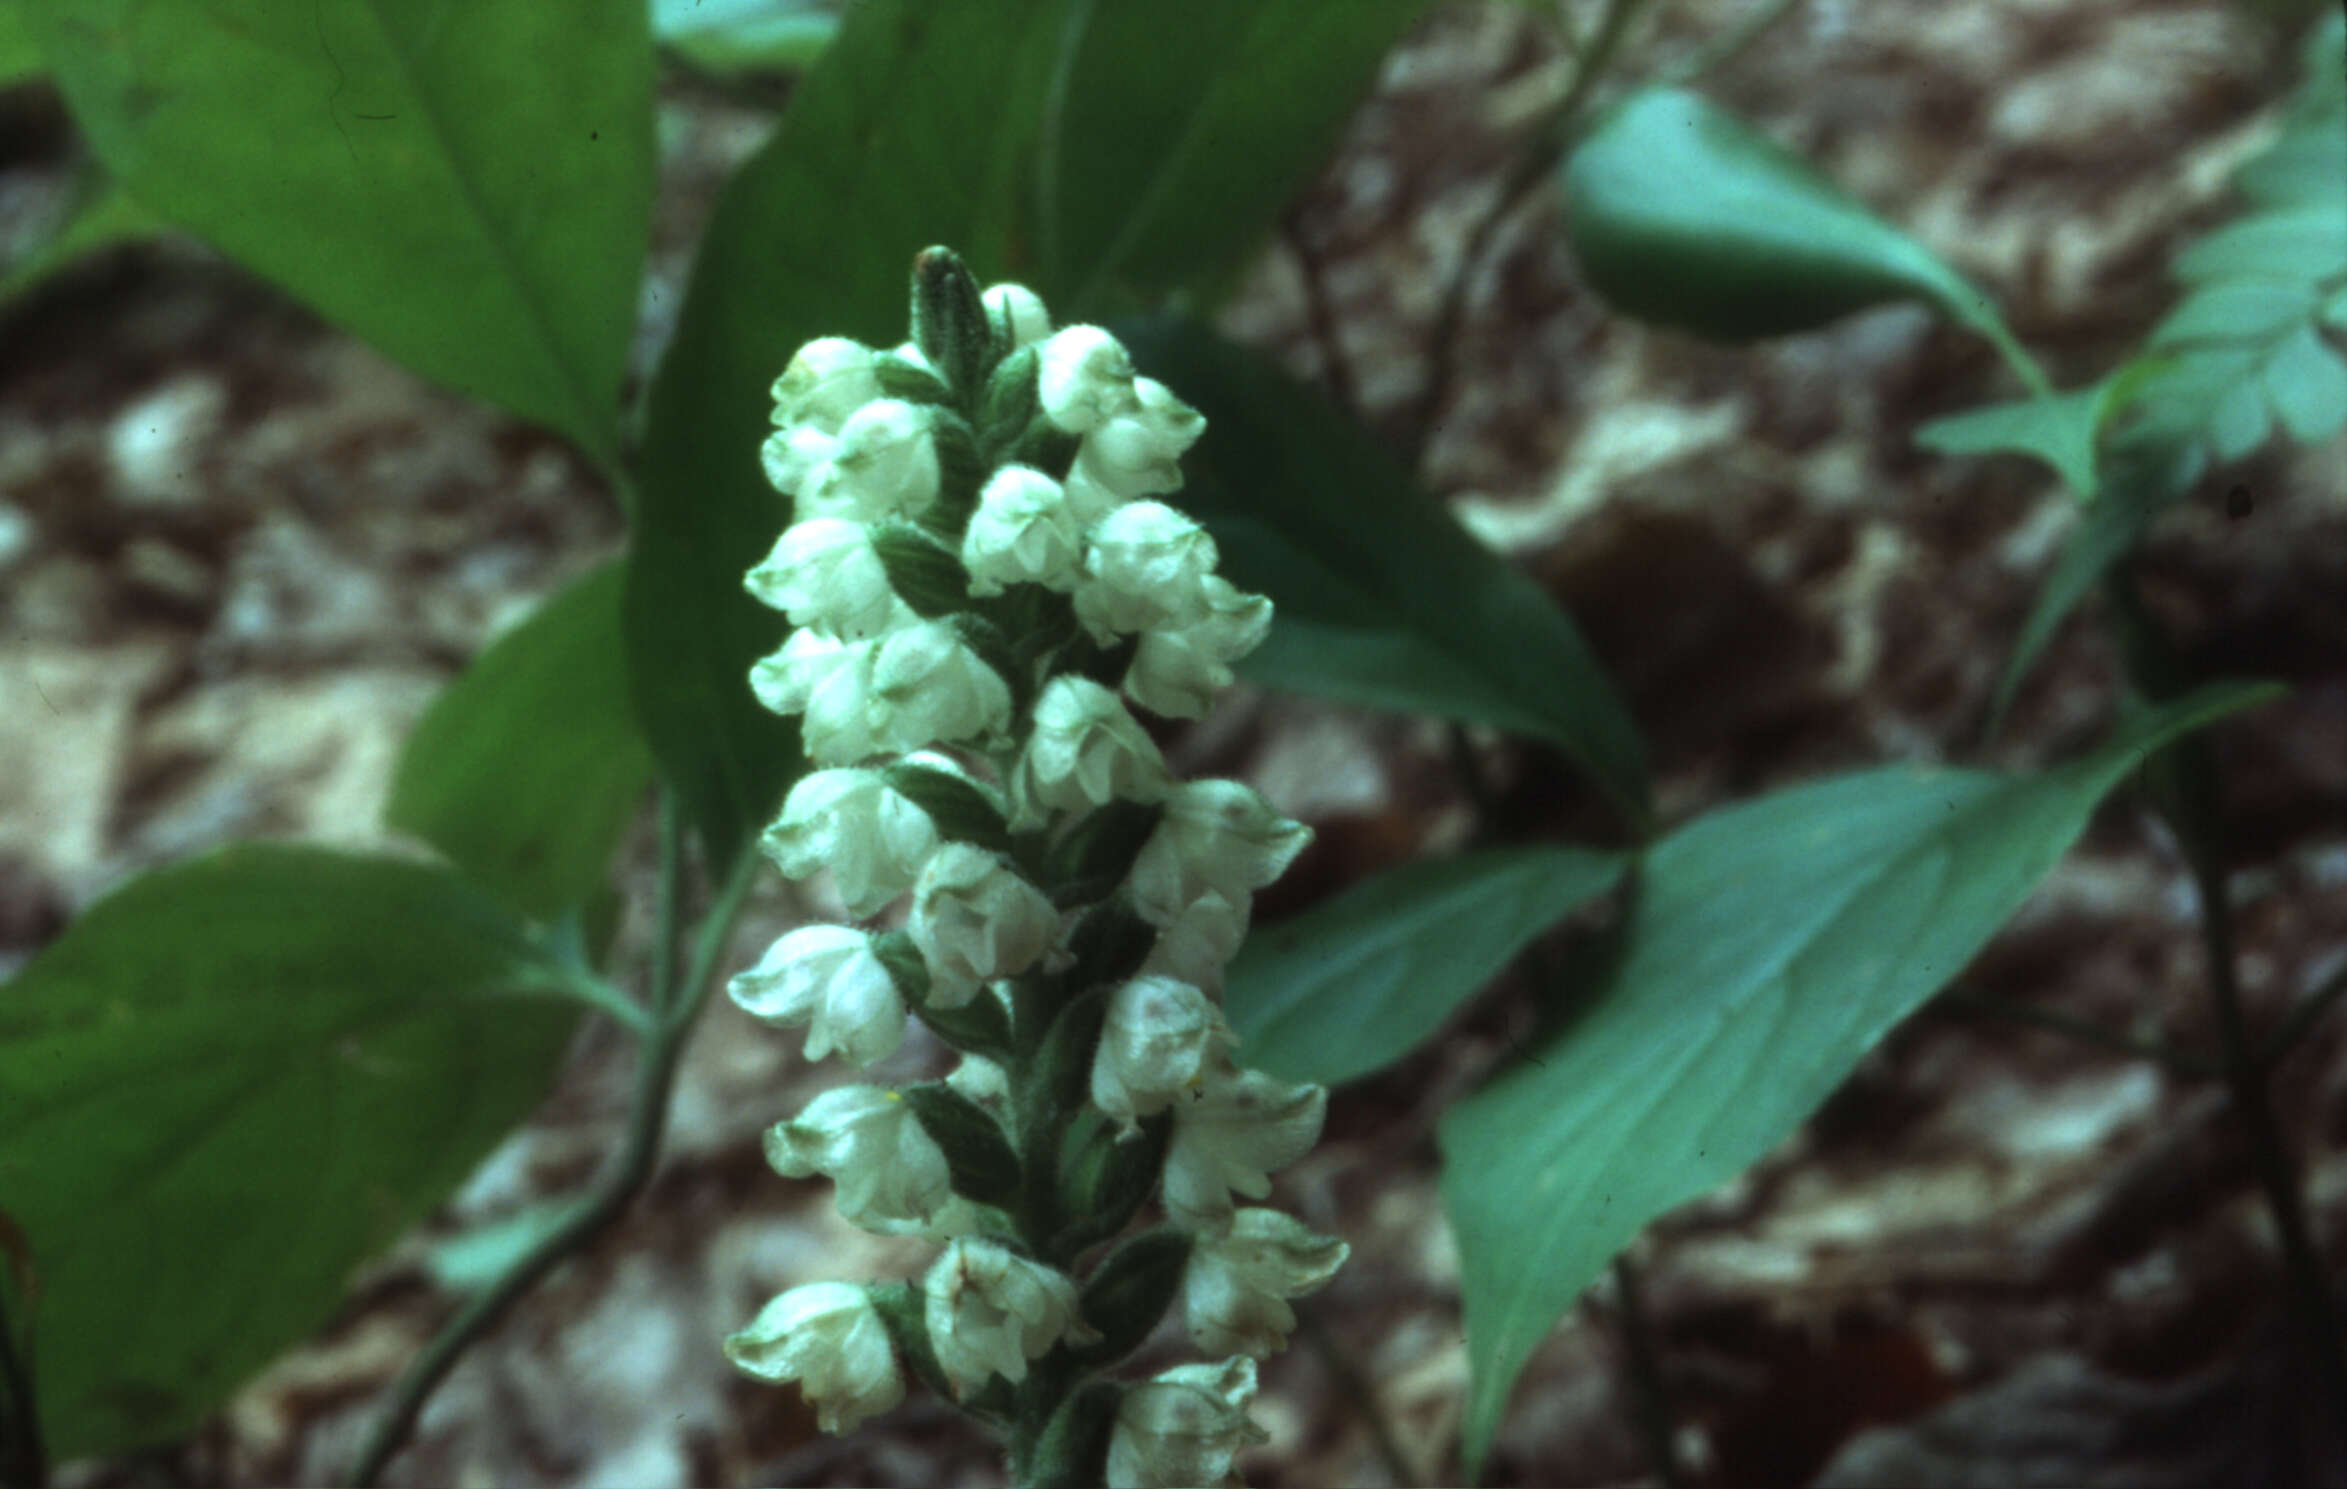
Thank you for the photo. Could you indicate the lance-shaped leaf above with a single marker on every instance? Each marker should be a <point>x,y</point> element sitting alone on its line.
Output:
<point>465,186</point>
<point>1354,984</point>
<point>20,57</point>
<point>226,1086</point>
<point>1769,946</point>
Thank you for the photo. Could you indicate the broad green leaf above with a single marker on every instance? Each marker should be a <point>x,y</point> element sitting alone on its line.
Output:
<point>2236,310</point>
<point>731,36</point>
<point>1769,946</point>
<point>526,770</point>
<point>1181,132</point>
<point>226,1086</point>
<point>1683,215</point>
<point>103,216</point>
<point>20,56</point>
<point>2299,246</point>
<point>911,130</point>
<point>2061,430</point>
<point>1352,985</point>
<point>2305,165</point>
<point>466,186</point>
<point>2306,382</point>
<point>1379,597</point>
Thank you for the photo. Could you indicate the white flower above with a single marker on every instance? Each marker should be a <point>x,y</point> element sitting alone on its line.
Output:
<point>890,1173</point>
<point>793,456</point>
<point>1022,532</point>
<point>929,686</point>
<point>1183,1428</point>
<point>1215,835</point>
<point>975,920</point>
<point>871,836</point>
<point>983,1082</point>
<point>825,572</point>
<point>885,463</point>
<point>829,379</point>
<point>1200,942</point>
<point>1018,312</point>
<point>1087,750</point>
<point>1145,569</point>
<point>1179,673</point>
<point>1083,379</point>
<point>1155,1043</point>
<point>1090,501</point>
<point>830,681</point>
<point>990,1311</point>
<point>1237,1282</point>
<point>827,974</point>
<point>1231,1132</point>
<point>1139,452</point>
<point>828,1337</point>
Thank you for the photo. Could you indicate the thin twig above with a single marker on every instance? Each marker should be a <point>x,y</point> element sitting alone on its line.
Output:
<point>1353,1384</point>
<point>24,1462</point>
<point>1653,1396</point>
<point>1336,367</point>
<point>1728,44</point>
<point>2300,1019</point>
<point>2184,1062</point>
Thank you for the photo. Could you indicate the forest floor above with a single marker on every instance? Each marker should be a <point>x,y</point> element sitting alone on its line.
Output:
<point>239,552</point>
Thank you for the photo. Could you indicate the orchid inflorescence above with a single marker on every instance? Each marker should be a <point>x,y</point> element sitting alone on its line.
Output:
<point>982,580</point>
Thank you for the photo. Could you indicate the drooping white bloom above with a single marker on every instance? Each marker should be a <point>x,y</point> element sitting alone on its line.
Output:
<point>1155,1042</point>
<point>1237,1281</point>
<point>1184,1427</point>
<point>1087,750</point>
<point>1180,673</point>
<point>1145,569</point>
<point>1022,532</point>
<point>825,572</point>
<point>829,976</point>
<point>884,464</point>
<point>1018,311</point>
<point>1215,835</point>
<point>1139,452</point>
<point>828,680</point>
<point>1083,378</point>
<point>828,1337</point>
<point>829,379</point>
<point>871,836</point>
<point>890,1174</point>
<point>1231,1132</point>
<point>1200,942</point>
<point>929,686</point>
<point>792,456</point>
<point>975,919</point>
<point>990,1311</point>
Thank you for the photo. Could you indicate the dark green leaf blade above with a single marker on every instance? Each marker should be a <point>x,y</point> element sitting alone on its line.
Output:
<point>1380,598</point>
<point>20,56</point>
<point>1770,945</point>
<point>1354,984</point>
<point>227,1085</point>
<point>466,186</point>
<point>526,769</point>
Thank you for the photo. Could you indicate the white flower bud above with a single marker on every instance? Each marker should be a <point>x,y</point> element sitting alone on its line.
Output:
<point>824,572</point>
<point>1230,1133</point>
<point>974,920</point>
<point>990,1311</point>
<point>1022,532</point>
<point>828,1337</point>
<point>1146,567</point>
<point>1237,1282</point>
<point>793,456</point>
<point>1184,1427</point>
<point>1200,942</point>
<point>890,1173</point>
<point>829,975</point>
<point>1155,1043</point>
<point>1139,452</point>
<point>807,663</point>
<point>1083,378</point>
<point>885,464</point>
<point>1215,835</point>
<point>928,687</point>
<point>1017,311</point>
<point>1087,750</point>
<point>872,837</point>
<point>984,1082</point>
<point>829,379</point>
<point>1180,673</point>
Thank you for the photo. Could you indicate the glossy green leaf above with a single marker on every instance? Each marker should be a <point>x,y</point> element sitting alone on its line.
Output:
<point>526,769</point>
<point>103,216</point>
<point>1354,984</point>
<point>1179,133</point>
<point>226,1086</point>
<point>911,130</point>
<point>466,186</point>
<point>1380,598</point>
<point>20,55</point>
<point>1683,215</point>
<point>1769,945</point>
<point>2062,430</point>
<point>732,36</point>
<point>2306,382</point>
